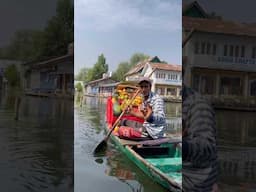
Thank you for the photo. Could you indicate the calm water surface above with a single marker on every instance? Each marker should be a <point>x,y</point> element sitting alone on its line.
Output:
<point>37,150</point>
<point>113,171</point>
<point>237,150</point>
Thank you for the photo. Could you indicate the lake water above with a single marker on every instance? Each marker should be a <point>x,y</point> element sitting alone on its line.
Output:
<point>37,150</point>
<point>113,171</point>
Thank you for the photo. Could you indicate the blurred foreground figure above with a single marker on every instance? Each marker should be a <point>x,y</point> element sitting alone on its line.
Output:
<point>199,158</point>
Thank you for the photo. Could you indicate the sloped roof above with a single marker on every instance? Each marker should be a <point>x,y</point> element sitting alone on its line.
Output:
<point>167,67</point>
<point>136,68</point>
<point>141,65</point>
<point>218,26</point>
<point>193,6</point>
<point>99,80</point>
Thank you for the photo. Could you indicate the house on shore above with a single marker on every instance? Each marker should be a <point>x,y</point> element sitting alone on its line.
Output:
<point>220,58</point>
<point>166,78</point>
<point>101,87</point>
<point>51,77</point>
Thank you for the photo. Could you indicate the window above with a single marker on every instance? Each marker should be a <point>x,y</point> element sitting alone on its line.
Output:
<point>205,84</point>
<point>160,90</point>
<point>196,79</point>
<point>231,49</point>
<point>237,51</point>
<point>203,47</point>
<point>254,52</point>
<point>253,88</point>
<point>214,49</point>
<point>225,50</point>
<point>242,51</point>
<point>171,91</point>
<point>208,48</point>
<point>196,48</point>
<point>230,86</point>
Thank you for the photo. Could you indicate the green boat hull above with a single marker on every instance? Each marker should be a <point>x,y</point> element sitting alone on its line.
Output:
<point>162,163</point>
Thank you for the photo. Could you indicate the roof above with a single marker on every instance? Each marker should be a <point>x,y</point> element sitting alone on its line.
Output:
<point>109,84</point>
<point>136,68</point>
<point>54,61</point>
<point>98,80</point>
<point>193,9</point>
<point>218,26</point>
<point>160,66</point>
<point>167,67</point>
<point>141,65</point>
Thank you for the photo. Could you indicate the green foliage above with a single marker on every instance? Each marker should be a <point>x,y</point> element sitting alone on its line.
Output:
<point>79,87</point>
<point>99,68</point>
<point>137,57</point>
<point>12,76</point>
<point>25,45</point>
<point>60,30</point>
<point>95,72</point>
<point>82,75</point>
<point>122,69</point>
<point>29,45</point>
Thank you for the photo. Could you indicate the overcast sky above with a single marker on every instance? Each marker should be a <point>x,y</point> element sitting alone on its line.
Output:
<point>26,14</point>
<point>120,28</point>
<point>236,10</point>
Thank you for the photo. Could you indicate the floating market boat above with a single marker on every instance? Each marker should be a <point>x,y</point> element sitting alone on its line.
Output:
<point>160,159</point>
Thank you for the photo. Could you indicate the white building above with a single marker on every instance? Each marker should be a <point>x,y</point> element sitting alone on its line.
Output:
<point>166,78</point>
<point>220,57</point>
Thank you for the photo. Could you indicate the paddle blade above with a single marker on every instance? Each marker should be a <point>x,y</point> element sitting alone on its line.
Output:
<point>101,147</point>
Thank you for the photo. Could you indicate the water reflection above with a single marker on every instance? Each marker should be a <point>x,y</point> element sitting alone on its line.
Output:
<point>237,149</point>
<point>122,168</point>
<point>37,150</point>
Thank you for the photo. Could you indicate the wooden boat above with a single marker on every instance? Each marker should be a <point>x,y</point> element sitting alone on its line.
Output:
<point>159,159</point>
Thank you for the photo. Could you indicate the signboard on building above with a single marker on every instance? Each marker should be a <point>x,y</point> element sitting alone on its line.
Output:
<point>236,60</point>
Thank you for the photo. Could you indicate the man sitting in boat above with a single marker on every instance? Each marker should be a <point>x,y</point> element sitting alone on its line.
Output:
<point>151,110</point>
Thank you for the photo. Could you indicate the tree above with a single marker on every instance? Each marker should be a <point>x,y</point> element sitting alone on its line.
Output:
<point>122,69</point>
<point>79,87</point>
<point>82,75</point>
<point>98,69</point>
<point>96,72</point>
<point>12,75</point>
<point>29,45</point>
<point>60,30</point>
<point>25,45</point>
<point>137,57</point>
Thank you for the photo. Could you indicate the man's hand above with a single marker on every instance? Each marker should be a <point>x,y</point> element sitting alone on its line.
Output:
<point>148,112</point>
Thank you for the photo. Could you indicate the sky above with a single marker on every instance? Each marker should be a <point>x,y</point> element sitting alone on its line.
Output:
<point>26,14</point>
<point>120,28</point>
<point>238,10</point>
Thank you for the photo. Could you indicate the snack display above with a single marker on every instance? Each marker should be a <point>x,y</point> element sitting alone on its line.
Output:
<point>122,97</point>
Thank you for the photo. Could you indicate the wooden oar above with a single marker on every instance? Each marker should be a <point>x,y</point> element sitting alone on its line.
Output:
<point>103,144</point>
